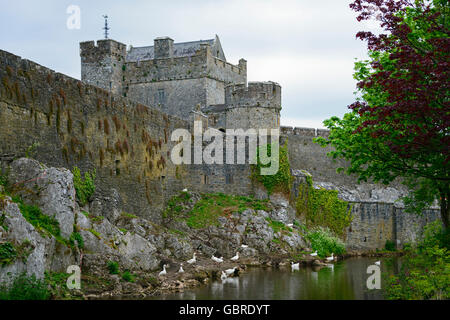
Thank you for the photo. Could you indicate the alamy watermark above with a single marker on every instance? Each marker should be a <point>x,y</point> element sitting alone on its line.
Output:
<point>74,20</point>
<point>374,280</point>
<point>235,143</point>
<point>74,280</point>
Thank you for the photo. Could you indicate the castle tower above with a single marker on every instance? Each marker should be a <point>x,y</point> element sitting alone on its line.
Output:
<point>255,106</point>
<point>103,65</point>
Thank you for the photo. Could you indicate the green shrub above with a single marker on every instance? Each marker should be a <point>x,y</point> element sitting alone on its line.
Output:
<point>278,226</point>
<point>425,270</point>
<point>322,207</point>
<point>128,215</point>
<point>25,288</point>
<point>128,276</point>
<point>390,245</point>
<point>41,222</point>
<point>281,181</point>
<point>323,240</point>
<point>175,205</point>
<point>113,267</point>
<point>3,181</point>
<point>7,254</point>
<point>57,285</point>
<point>211,206</point>
<point>95,233</point>
<point>76,237</point>
<point>206,211</point>
<point>84,188</point>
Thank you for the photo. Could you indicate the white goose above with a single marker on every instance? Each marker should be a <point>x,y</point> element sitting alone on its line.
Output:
<point>295,266</point>
<point>181,269</point>
<point>218,260</point>
<point>163,272</point>
<point>223,276</point>
<point>378,263</point>
<point>331,258</point>
<point>193,260</point>
<point>229,272</point>
<point>290,225</point>
<point>314,254</point>
<point>244,246</point>
<point>185,190</point>
<point>236,257</point>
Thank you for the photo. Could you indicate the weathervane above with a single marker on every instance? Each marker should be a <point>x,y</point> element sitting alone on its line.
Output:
<point>106,28</point>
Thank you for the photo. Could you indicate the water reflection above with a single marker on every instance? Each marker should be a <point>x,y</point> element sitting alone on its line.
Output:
<point>342,280</point>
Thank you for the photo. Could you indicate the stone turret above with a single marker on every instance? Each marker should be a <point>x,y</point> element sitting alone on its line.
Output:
<point>103,65</point>
<point>256,106</point>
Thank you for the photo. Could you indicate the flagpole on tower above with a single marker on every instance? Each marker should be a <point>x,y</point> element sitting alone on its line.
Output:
<point>106,27</point>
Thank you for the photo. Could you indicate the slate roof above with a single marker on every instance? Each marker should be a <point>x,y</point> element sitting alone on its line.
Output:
<point>181,49</point>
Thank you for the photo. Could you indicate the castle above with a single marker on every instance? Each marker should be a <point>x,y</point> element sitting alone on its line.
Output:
<point>118,120</point>
<point>190,80</point>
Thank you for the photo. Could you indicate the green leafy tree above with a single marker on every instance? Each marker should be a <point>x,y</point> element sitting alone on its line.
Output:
<point>399,125</point>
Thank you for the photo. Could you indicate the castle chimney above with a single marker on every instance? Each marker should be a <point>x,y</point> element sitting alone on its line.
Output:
<point>163,47</point>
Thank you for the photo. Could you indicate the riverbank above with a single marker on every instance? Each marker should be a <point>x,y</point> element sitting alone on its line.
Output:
<point>205,272</point>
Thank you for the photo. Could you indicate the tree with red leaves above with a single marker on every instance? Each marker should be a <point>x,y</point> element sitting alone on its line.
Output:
<point>399,125</point>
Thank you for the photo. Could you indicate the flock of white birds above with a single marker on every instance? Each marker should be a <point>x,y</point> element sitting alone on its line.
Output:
<point>224,274</point>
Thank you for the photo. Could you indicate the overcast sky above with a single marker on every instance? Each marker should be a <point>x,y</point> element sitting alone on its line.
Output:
<point>307,46</point>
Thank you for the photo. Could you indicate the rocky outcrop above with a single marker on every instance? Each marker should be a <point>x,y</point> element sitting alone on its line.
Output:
<point>35,252</point>
<point>51,189</point>
<point>136,244</point>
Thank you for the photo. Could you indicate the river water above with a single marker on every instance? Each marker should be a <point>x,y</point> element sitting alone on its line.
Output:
<point>346,280</point>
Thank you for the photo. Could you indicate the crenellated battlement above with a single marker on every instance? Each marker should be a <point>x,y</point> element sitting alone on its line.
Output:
<point>91,50</point>
<point>256,94</point>
<point>304,132</point>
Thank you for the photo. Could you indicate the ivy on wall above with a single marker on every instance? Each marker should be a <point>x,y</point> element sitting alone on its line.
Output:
<point>321,207</point>
<point>84,188</point>
<point>279,182</point>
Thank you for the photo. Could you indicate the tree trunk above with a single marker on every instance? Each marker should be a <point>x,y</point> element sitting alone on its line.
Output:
<point>445,197</point>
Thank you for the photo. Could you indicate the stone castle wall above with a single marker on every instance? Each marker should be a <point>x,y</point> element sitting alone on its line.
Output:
<point>307,155</point>
<point>129,145</point>
<point>375,223</point>
<point>76,124</point>
<point>79,124</point>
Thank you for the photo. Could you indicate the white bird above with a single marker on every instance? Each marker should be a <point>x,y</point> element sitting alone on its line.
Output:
<point>181,269</point>
<point>193,260</point>
<point>244,246</point>
<point>236,257</point>
<point>290,225</point>
<point>185,190</point>
<point>313,254</point>
<point>223,276</point>
<point>229,272</point>
<point>331,258</point>
<point>164,272</point>
<point>295,266</point>
<point>378,263</point>
<point>218,260</point>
